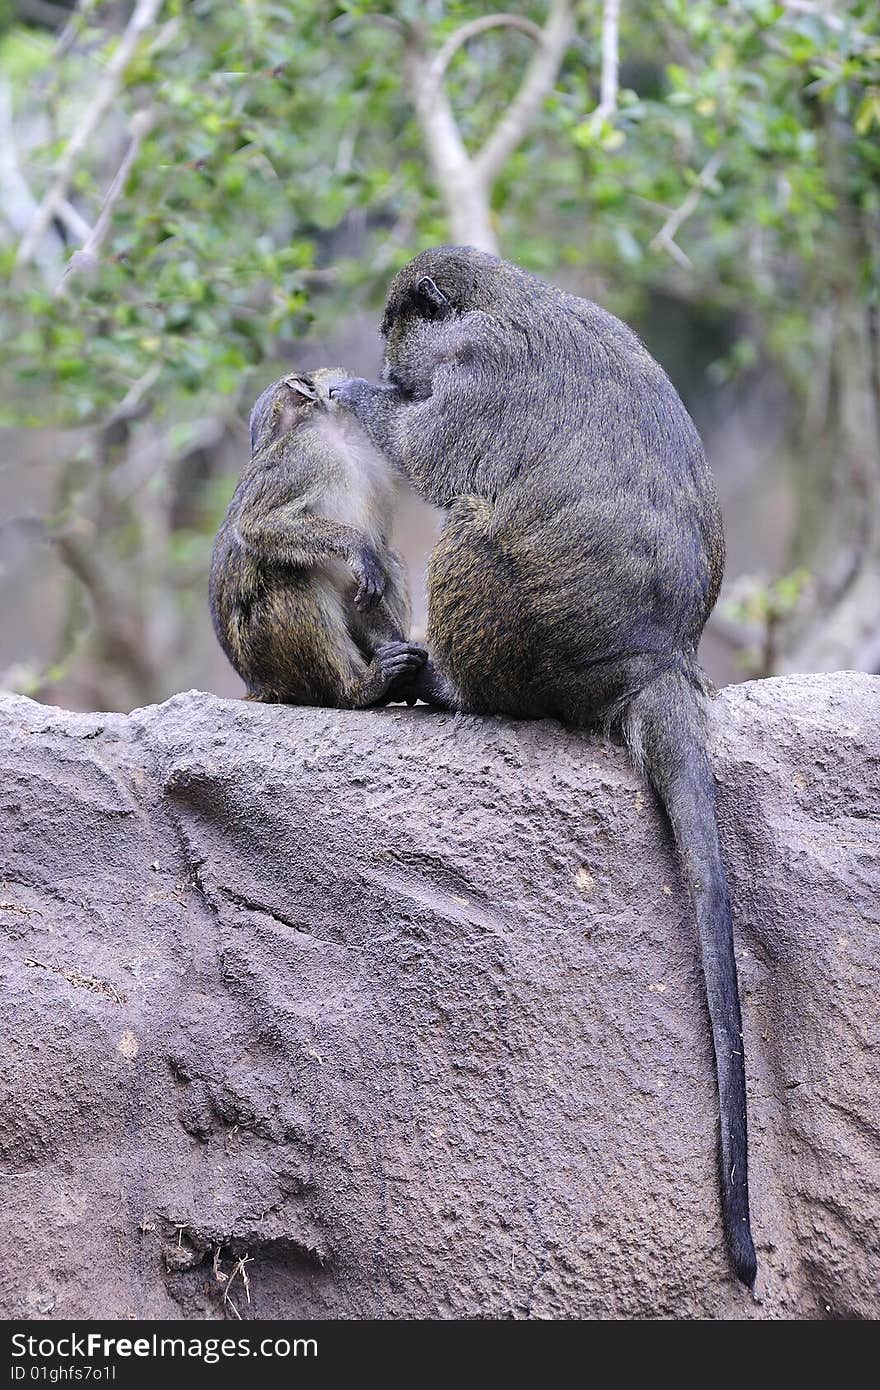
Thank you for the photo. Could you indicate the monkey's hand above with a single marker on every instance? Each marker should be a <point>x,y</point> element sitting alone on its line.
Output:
<point>354,393</point>
<point>371,579</point>
<point>375,408</point>
<point>358,395</point>
<point>429,685</point>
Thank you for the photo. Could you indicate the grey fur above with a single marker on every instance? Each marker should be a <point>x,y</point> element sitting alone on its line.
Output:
<point>581,556</point>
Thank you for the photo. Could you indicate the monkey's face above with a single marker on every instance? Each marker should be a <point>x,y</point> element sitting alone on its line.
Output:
<point>436,287</point>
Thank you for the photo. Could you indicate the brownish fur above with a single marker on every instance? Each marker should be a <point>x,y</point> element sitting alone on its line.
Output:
<point>308,600</point>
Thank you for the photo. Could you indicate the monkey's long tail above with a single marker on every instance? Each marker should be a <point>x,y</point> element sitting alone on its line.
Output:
<point>664,727</point>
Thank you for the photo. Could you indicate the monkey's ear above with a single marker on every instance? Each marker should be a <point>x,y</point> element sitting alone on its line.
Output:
<point>431,301</point>
<point>303,385</point>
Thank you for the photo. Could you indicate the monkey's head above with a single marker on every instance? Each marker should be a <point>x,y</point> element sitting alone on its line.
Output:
<point>285,404</point>
<point>436,286</point>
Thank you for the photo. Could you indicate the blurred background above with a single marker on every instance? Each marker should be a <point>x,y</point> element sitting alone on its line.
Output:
<point>195,197</point>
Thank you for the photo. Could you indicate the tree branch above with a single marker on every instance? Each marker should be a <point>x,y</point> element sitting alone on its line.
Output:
<point>119,627</point>
<point>73,220</point>
<point>665,238</point>
<point>134,403</point>
<point>536,86</point>
<point>470,31</point>
<point>76,22</point>
<point>18,204</point>
<point>144,14</point>
<point>465,181</point>
<point>463,192</point>
<point>610,61</point>
<point>87,256</point>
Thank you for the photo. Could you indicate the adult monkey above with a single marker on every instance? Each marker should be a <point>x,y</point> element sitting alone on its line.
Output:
<point>581,556</point>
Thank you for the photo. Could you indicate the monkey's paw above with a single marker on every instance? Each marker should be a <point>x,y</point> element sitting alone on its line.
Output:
<point>406,689</point>
<point>399,661</point>
<point>353,393</point>
<point>371,580</point>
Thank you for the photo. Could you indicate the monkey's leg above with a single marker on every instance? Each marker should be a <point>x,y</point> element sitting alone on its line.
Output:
<point>663,726</point>
<point>395,603</point>
<point>390,619</point>
<point>392,663</point>
<point>288,536</point>
<point>388,622</point>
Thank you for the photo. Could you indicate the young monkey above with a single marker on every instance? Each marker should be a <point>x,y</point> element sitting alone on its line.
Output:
<point>308,601</point>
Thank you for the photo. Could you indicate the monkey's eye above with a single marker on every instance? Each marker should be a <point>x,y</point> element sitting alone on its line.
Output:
<point>430,301</point>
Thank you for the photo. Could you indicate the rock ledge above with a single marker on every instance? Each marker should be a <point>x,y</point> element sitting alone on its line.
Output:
<point>406,1008</point>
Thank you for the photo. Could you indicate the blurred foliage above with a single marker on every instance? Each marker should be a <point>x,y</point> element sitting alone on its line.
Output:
<point>280,122</point>
<point>284,180</point>
<point>760,607</point>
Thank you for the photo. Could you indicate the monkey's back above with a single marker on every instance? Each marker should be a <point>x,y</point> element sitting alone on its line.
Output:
<point>597,563</point>
<point>581,558</point>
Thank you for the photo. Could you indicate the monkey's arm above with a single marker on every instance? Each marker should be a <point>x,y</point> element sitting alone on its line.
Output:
<point>288,536</point>
<point>446,422</point>
<point>376,407</point>
<point>422,438</point>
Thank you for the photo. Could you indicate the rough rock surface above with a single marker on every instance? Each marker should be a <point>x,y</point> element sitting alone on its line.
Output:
<point>405,1009</point>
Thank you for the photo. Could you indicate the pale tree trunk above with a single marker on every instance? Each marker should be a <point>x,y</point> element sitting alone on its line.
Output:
<point>466,179</point>
<point>464,193</point>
